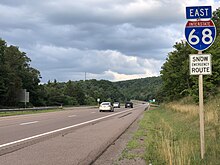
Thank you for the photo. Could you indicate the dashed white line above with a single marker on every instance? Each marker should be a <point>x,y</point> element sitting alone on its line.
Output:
<point>32,122</point>
<point>72,116</point>
<point>93,112</point>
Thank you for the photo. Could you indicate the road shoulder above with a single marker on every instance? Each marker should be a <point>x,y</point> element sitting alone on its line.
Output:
<point>113,154</point>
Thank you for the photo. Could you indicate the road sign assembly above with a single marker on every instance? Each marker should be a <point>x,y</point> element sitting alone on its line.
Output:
<point>200,64</point>
<point>200,35</point>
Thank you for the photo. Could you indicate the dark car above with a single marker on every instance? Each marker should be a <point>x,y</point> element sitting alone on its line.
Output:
<point>128,104</point>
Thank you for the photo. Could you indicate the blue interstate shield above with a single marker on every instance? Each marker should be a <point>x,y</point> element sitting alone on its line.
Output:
<point>200,35</point>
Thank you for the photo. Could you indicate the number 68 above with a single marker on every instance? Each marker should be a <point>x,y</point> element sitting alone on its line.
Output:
<point>206,33</point>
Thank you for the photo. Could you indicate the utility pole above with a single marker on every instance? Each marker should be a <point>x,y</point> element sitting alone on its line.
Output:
<point>85,76</point>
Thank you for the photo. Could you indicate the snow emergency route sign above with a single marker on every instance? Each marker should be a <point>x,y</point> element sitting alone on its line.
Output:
<point>200,34</point>
<point>200,64</point>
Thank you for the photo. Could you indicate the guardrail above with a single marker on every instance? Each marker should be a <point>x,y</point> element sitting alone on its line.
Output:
<point>31,109</point>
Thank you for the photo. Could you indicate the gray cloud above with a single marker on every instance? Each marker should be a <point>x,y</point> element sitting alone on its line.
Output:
<point>148,13</point>
<point>108,39</point>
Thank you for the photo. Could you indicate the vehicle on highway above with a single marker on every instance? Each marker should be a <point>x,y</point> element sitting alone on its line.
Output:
<point>106,106</point>
<point>116,105</point>
<point>128,104</point>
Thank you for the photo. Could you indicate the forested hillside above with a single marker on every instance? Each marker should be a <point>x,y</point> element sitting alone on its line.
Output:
<point>87,92</point>
<point>78,92</point>
<point>140,89</point>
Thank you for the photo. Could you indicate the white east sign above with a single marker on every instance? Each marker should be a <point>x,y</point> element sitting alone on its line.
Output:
<point>200,64</point>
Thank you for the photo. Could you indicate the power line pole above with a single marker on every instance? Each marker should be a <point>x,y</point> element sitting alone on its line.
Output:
<point>85,76</point>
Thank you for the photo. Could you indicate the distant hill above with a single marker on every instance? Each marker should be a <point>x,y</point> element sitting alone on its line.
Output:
<point>140,89</point>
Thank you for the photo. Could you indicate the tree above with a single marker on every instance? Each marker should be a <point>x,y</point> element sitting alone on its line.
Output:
<point>15,74</point>
<point>175,72</point>
<point>79,94</point>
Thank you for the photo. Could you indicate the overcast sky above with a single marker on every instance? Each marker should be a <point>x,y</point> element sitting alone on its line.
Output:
<point>108,39</point>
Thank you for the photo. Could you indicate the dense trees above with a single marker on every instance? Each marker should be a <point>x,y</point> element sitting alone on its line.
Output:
<point>87,92</point>
<point>79,92</point>
<point>140,89</point>
<point>175,72</point>
<point>177,82</point>
<point>15,74</point>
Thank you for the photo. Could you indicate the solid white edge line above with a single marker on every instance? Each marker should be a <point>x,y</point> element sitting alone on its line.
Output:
<point>61,129</point>
<point>32,122</point>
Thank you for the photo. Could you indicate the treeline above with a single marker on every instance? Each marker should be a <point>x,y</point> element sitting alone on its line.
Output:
<point>16,74</point>
<point>87,92</point>
<point>140,89</point>
<point>177,82</point>
<point>79,92</point>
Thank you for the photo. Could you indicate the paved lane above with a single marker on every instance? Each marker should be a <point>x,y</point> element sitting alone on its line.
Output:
<point>17,128</point>
<point>79,146</point>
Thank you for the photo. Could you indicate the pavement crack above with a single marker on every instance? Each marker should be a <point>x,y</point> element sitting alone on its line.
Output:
<point>125,115</point>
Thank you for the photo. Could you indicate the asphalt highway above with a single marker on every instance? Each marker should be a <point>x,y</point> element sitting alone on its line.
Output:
<point>34,133</point>
<point>20,127</point>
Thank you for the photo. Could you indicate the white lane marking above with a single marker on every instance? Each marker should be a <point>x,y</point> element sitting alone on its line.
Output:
<point>72,116</point>
<point>65,128</point>
<point>32,122</point>
<point>93,112</point>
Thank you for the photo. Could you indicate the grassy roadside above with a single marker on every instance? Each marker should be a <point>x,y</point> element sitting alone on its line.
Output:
<point>170,135</point>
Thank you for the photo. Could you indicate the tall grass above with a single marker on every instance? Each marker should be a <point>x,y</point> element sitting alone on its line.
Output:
<point>171,134</point>
<point>211,109</point>
<point>173,150</point>
<point>191,110</point>
<point>170,142</point>
<point>212,130</point>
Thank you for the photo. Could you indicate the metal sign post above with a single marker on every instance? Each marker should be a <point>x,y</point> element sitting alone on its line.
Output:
<point>201,115</point>
<point>25,99</point>
<point>98,100</point>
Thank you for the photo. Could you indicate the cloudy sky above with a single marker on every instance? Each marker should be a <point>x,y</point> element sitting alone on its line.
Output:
<point>108,39</point>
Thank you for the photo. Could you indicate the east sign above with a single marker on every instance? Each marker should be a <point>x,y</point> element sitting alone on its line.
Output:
<point>198,12</point>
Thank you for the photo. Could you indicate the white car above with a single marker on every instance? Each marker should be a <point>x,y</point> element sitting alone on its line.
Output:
<point>106,106</point>
<point>116,105</point>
